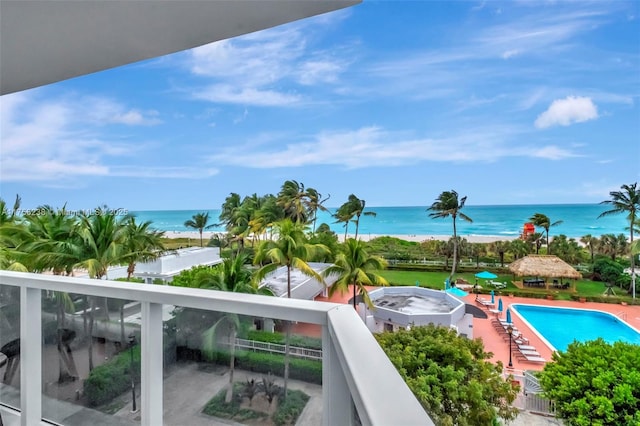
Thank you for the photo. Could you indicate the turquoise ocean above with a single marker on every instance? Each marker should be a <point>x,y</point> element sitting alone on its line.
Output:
<point>503,220</point>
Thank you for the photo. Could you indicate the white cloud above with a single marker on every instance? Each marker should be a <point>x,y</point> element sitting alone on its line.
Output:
<point>56,142</point>
<point>252,69</point>
<point>510,53</point>
<point>246,96</point>
<point>163,172</point>
<point>567,111</point>
<point>375,147</point>
<point>107,111</point>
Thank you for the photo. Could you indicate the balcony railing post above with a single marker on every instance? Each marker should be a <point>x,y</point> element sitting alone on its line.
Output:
<point>30,356</point>
<point>337,405</point>
<point>152,351</point>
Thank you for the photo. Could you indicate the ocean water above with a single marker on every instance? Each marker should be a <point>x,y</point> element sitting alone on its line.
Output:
<point>577,220</point>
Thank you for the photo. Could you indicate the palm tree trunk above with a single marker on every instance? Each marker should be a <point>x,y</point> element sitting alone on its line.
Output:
<point>455,251</point>
<point>232,362</point>
<point>62,374</point>
<point>84,313</point>
<point>106,309</point>
<point>548,249</point>
<point>287,340</point>
<point>633,265</point>
<point>122,341</point>
<point>286,359</point>
<point>354,296</point>
<point>357,226</point>
<point>200,237</point>
<point>91,314</point>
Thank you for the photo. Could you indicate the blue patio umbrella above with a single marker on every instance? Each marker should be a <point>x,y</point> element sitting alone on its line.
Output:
<point>493,300</point>
<point>500,305</point>
<point>508,315</point>
<point>486,275</point>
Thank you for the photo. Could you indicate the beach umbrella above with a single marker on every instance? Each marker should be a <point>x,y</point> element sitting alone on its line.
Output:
<point>500,305</point>
<point>486,275</point>
<point>508,315</point>
<point>493,300</point>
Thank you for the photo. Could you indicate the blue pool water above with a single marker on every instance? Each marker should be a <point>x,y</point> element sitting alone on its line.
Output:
<point>457,292</point>
<point>561,326</point>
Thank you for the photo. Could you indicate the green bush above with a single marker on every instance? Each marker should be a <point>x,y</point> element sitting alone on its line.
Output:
<point>279,338</point>
<point>595,383</point>
<point>218,408</point>
<point>260,362</point>
<point>290,409</point>
<point>111,379</point>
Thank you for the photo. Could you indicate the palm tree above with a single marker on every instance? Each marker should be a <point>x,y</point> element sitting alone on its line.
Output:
<point>200,222</point>
<point>355,267</point>
<point>234,276</point>
<point>53,245</point>
<point>627,200</point>
<point>7,216</point>
<point>519,248</point>
<point>314,203</point>
<point>268,214</point>
<point>448,204</point>
<point>103,240</point>
<point>358,210</point>
<point>142,244</point>
<point>290,249</point>
<point>591,243</point>
<point>536,239</point>
<point>292,198</point>
<point>543,221</point>
<point>500,247</point>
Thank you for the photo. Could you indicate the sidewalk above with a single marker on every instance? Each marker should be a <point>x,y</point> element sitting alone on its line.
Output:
<point>187,389</point>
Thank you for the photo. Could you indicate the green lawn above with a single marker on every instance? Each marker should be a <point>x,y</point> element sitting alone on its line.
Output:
<point>435,280</point>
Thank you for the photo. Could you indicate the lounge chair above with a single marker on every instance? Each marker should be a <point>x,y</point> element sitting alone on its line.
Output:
<point>497,284</point>
<point>527,348</point>
<point>530,358</point>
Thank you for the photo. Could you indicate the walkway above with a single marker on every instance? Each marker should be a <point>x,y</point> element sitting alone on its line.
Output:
<point>494,343</point>
<point>187,389</point>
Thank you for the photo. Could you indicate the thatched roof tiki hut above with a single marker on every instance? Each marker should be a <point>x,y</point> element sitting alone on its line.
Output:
<point>543,266</point>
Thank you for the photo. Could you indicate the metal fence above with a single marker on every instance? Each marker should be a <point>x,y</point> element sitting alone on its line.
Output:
<point>298,352</point>
<point>529,398</point>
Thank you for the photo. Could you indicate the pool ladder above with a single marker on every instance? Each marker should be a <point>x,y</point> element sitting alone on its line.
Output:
<point>622,315</point>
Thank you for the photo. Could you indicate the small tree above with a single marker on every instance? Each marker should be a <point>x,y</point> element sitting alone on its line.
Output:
<point>450,375</point>
<point>595,383</point>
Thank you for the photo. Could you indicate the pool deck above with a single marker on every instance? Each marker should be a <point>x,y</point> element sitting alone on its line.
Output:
<point>493,342</point>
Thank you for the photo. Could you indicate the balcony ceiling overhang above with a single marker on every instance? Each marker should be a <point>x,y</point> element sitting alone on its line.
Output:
<point>45,41</point>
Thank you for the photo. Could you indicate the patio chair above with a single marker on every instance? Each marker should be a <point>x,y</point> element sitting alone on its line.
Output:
<point>532,358</point>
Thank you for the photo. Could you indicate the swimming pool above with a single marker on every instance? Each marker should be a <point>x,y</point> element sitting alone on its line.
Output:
<point>558,327</point>
<point>457,292</point>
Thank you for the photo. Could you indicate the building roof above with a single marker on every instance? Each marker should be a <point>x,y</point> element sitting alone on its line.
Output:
<point>543,266</point>
<point>43,41</point>
<point>302,286</point>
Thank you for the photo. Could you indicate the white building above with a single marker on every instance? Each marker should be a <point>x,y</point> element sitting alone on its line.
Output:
<point>404,307</point>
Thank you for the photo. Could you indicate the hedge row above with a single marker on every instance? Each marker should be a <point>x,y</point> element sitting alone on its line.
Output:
<point>279,338</point>
<point>260,362</point>
<point>112,378</point>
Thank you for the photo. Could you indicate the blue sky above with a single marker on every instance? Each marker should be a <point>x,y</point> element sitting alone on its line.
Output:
<point>520,102</point>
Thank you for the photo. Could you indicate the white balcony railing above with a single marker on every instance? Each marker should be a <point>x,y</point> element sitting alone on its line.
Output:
<point>356,373</point>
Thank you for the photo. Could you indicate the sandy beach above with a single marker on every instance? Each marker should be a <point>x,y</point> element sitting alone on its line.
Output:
<point>367,237</point>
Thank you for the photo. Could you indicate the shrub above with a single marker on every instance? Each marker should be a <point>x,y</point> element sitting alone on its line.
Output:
<point>279,338</point>
<point>260,362</point>
<point>111,379</point>
<point>290,409</point>
<point>595,383</point>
